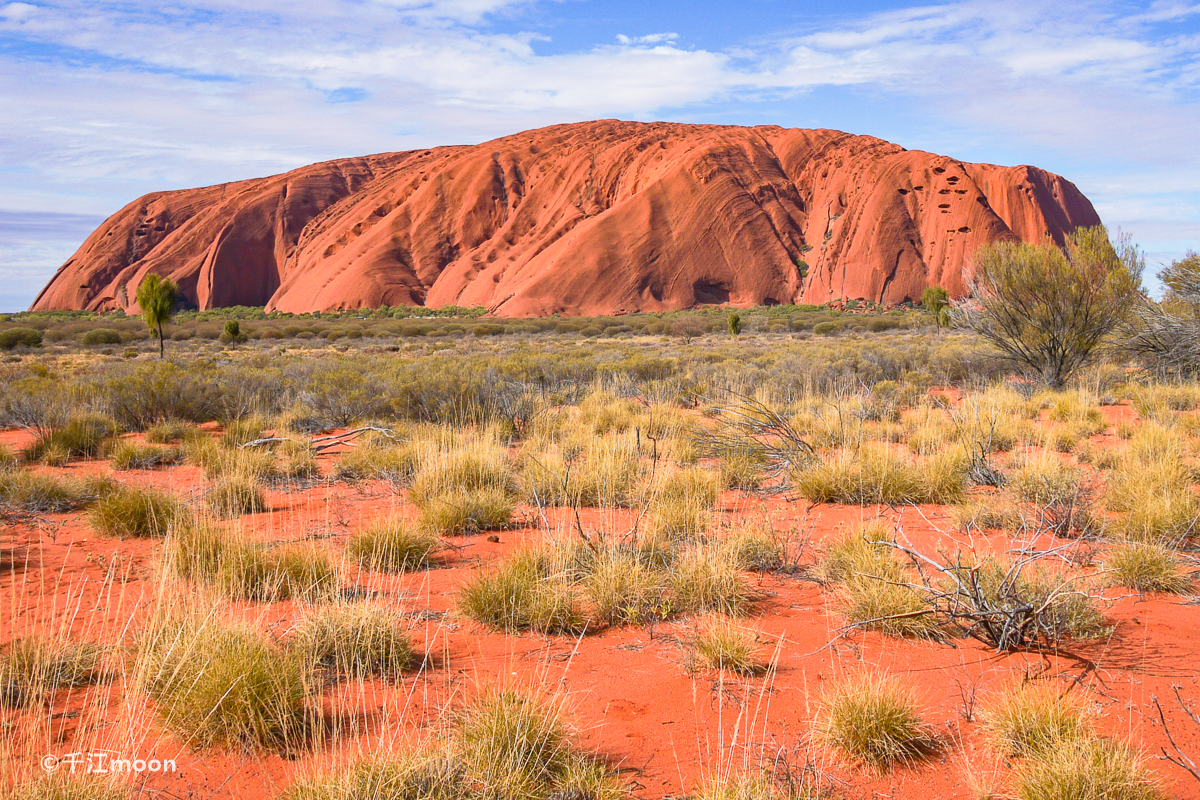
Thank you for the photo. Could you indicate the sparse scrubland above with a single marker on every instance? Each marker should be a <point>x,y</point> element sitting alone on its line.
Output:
<point>400,554</point>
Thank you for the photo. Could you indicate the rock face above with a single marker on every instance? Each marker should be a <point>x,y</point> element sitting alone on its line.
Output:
<point>587,219</point>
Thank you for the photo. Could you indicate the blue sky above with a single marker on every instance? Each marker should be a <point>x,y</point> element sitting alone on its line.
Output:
<point>105,100</point>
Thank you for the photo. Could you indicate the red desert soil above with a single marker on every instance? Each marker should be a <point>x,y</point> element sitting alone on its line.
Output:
<point>585,219</point>
<point>627,688</point>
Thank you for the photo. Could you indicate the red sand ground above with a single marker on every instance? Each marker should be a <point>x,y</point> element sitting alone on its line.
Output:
<point>627,688</point>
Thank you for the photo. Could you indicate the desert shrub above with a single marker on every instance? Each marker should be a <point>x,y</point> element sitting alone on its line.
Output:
<point>221,685</point>
<point>138,512</point>
<point>522,594</point>
<point>1048,308</point>
<point>1014,605</point>
<point>1146,567</point>
<point>355,640</point>
<point>172,432</point>
<point>40,493</point>
<point>1033,720</point>
<point>392,545</point>
<point>20,337</point>
<point>98,336</point>
<point>129,455</point>
<point>33,668</point>
<point>234,495</point>
<point>705,579</point>
<point>82,436</point>
<point>721,645</point>
<point>1087,769</point>
<point>873,719</point>
<point>882,475</point>
<point>460,513</point>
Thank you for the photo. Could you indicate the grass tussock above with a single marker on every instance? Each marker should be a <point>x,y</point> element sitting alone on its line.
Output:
<point>69,787</point>
<point>1033,720</point>
<point>1155,501</point>
<point>33,668</point>
<point>756,551</point>
<point>392,545</point>
<point>874,720</point>
<point>82,436</point>
<point>721,645</point>
<point>173,432</point>
<point>240,569</point>
<point>598,473</point>
<point>1087,769</point>
<point>130,455</point>
<point>523,594</point>
<point>1146,567</point>
<point>378,459</point>
<point>220,685</point>
<point>623,589</point>
<point>705,579</point>
<point>354,640</point>
<point>234,495</point>
<point>138,512</point>
<point>37,492</point>
<point>873,586</point>
<point>464,512</point>
<point>879,474</point>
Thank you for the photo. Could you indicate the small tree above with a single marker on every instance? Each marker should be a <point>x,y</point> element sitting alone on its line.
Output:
<point>936,301</point>
<point>156,297</point>
<point>1048,308</point>
<point>232,333</point>
<point>735,323</point>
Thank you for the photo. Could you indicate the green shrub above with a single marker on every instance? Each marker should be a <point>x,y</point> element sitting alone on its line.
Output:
<point>98,336</point>
<point>142,513</point>
<point>20,337</point>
